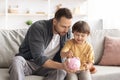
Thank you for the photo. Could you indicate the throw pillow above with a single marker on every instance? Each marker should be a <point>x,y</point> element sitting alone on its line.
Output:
<point>111,55</point>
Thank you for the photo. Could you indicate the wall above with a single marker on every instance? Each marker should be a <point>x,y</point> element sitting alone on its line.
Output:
<point>17,20</point>
<point>11,21</point>
<point>107,10</point>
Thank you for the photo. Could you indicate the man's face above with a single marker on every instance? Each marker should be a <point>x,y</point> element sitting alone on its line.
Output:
<point>62,26</point>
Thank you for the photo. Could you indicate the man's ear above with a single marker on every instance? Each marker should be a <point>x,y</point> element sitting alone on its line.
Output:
<point>54,21</point>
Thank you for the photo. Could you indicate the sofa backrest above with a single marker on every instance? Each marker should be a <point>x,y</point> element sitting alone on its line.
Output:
<point>10,41</point>
<point>96,38</point>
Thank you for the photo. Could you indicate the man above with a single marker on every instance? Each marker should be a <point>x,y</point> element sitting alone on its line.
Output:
<point>39,54</point>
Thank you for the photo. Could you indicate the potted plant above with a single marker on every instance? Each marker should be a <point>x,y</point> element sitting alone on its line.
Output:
<point>29,22</point>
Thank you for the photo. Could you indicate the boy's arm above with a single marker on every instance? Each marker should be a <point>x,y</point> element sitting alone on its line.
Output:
<point>67,54</point>
<point>63,54</point>
<point>91,67</point>
<point>88,65</point>
<point>66,49</point>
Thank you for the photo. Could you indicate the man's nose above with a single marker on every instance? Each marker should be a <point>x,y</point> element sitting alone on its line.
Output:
<point>66,30</point>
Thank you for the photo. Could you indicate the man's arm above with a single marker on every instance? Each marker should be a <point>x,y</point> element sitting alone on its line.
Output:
<point>53,64</point>
<point>37,44</point>
<point>56,65</point>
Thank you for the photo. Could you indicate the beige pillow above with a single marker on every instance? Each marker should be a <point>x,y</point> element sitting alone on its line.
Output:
<point>111,55</point>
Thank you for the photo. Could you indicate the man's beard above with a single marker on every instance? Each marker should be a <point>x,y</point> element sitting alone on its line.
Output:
<point>56,30</point>
<point>61,34</point>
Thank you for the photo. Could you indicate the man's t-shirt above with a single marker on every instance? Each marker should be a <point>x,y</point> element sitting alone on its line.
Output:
<point>53,46</point>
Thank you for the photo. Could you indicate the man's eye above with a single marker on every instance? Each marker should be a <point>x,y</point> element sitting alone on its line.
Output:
<point>63,27</point>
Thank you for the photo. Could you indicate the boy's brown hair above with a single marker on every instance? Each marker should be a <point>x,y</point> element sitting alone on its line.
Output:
<point>81,26</point>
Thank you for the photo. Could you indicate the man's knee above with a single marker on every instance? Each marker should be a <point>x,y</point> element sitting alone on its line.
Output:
<point>55,75</point>
<point>18,61</point>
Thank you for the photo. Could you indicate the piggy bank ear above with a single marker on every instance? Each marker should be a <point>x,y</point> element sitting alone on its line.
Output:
<point>68,60</point>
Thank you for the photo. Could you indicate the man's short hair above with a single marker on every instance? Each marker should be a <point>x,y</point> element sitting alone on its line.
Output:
<point>63,12</point>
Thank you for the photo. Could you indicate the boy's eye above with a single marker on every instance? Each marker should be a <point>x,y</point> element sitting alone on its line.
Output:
<point>77,34</point>
<point>82,35</point>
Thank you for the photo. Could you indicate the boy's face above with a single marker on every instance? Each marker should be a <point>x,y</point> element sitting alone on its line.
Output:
<point>80,37</point>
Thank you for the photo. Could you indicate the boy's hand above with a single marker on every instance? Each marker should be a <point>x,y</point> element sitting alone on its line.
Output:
<point>86,66</point>
<point>69,54</point>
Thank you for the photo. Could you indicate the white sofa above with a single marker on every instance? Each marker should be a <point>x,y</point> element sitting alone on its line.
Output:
<point>10,41</point>
<point>97,40</point>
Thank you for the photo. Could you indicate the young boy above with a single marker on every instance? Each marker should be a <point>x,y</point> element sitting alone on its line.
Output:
<point>79,47</point>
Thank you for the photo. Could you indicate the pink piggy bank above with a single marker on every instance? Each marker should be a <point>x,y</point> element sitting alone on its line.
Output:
<point>74,63</point>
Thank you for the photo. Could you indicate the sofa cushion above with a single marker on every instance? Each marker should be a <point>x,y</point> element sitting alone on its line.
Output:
<point>10,41</point>
<point>111,54</point>
<point>34,77</point>
<point>96,38</point>
<point>107,73</point>
<point>4,75</point>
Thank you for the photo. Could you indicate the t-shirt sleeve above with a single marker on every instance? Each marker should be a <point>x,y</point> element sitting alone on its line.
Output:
<point>91,54</point>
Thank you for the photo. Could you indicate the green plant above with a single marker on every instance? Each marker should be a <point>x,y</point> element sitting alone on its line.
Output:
<point>29,22</point>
